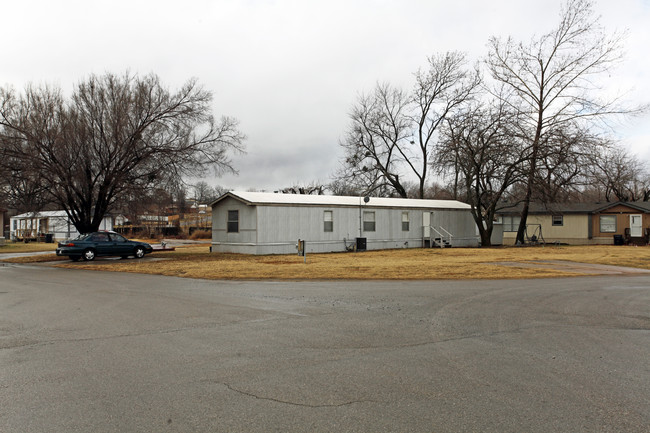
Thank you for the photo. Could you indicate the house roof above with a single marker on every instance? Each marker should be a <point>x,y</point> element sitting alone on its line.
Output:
<point>43,214</point>
<point>48,214</point>
<point>566,208</point>
<point>265,198</point>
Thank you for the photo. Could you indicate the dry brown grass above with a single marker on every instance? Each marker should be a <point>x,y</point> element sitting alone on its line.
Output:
<point>201,235</point>
<point>31,247</point>
<point>411,264</point>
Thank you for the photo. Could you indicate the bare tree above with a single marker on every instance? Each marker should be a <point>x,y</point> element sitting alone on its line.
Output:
<point>484,157</point>
<point>379,127</point>
<point>392,132</point>
<point>114,134</point>
<point>203,192</point>
<point>620,175</point>
<point>564,162</point>
<point>341,186</point>
<point>554,81</point>
<point>179,195</point>
<point>314,188</point>
<point>23,190</point>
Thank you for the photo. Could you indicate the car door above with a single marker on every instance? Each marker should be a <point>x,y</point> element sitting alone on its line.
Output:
<point>121,245</point>
<point>101,243</point>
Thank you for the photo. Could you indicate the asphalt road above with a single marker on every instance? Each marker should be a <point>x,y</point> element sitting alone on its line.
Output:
<point>84,351</point>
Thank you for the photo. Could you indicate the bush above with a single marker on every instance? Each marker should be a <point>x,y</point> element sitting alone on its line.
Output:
<point>201,234</point>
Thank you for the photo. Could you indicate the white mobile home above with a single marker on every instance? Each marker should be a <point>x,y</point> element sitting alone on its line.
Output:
<point>37,225</point>
<point>268,223</point>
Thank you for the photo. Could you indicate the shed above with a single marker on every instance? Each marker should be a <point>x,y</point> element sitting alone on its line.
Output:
<point>272,223</point>
<point>36,225</point>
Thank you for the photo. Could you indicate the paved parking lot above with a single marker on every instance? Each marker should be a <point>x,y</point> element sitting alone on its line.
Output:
<point>110,352</point>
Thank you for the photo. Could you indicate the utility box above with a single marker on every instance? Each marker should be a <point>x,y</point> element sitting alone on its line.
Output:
<point>361,244</point>
<point>618,240</point>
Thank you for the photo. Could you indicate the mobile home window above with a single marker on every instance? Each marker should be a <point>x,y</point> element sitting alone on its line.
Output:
<point>558,220</point>
<point>328,221</point>
<point>405,221</point>
<point>368,221</point>
<point>608,223</point>
<point>233,221</point>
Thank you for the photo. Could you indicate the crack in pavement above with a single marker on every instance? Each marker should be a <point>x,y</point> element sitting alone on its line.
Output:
<point>99,338</point>
<point>291,403</point>
<point>140,334</point>
<point>110,337</point>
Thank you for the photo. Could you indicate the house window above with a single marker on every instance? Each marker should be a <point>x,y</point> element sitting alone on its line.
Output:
<point>328,221</point>
<point>558,220</point>
<point>608,223</point>
<point>368,221</point>
<point>233,221</point>
<point>511,223</point>
<point>405,221</point>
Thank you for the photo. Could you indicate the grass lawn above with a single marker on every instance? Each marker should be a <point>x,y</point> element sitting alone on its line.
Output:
<point>406,264</point>
<point>30,247</point>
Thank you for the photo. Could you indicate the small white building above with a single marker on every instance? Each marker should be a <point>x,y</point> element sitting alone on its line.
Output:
<point>37,225</point>
<point>270,223</point>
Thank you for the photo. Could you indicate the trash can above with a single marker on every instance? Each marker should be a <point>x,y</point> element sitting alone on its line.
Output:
<point>49,238</point>
<point>361,244</point>
<point>618,240</point>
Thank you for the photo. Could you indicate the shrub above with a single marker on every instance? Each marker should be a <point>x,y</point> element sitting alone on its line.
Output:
<point>201,234</point>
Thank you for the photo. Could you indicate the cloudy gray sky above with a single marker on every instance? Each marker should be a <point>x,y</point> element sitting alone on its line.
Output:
<point>289,70</point>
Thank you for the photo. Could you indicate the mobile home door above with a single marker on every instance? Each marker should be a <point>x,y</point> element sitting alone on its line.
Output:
<point>426,224</point>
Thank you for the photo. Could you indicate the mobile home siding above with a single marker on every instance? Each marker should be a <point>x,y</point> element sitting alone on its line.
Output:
<point>275,228</point>
<point>245,240</point>
<point>458,222</point>
<point>280,227</point>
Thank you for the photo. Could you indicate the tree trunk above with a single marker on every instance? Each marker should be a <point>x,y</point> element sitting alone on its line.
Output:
<point>521,230</point>
<point>486,237</point>
<point>484,227</point>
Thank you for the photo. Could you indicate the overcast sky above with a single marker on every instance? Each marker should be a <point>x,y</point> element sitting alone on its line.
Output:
<point>289,70</point>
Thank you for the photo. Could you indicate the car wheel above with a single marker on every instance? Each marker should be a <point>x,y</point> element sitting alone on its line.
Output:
<point>89,255</point>
<point>139,252</point>
<point>75,258</point>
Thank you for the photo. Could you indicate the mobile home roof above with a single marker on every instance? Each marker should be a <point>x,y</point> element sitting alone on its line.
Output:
<point>266,198</point>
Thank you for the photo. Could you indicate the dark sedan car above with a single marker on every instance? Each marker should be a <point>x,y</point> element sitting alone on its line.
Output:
<point>106,243</point>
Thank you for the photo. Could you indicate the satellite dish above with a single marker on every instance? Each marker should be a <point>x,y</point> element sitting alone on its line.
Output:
<point>366,199</point>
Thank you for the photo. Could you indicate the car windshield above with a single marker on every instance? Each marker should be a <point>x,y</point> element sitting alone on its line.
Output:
<point>82,237</point>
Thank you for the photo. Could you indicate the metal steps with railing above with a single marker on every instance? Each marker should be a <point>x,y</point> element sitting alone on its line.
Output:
<point>439,237</point>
